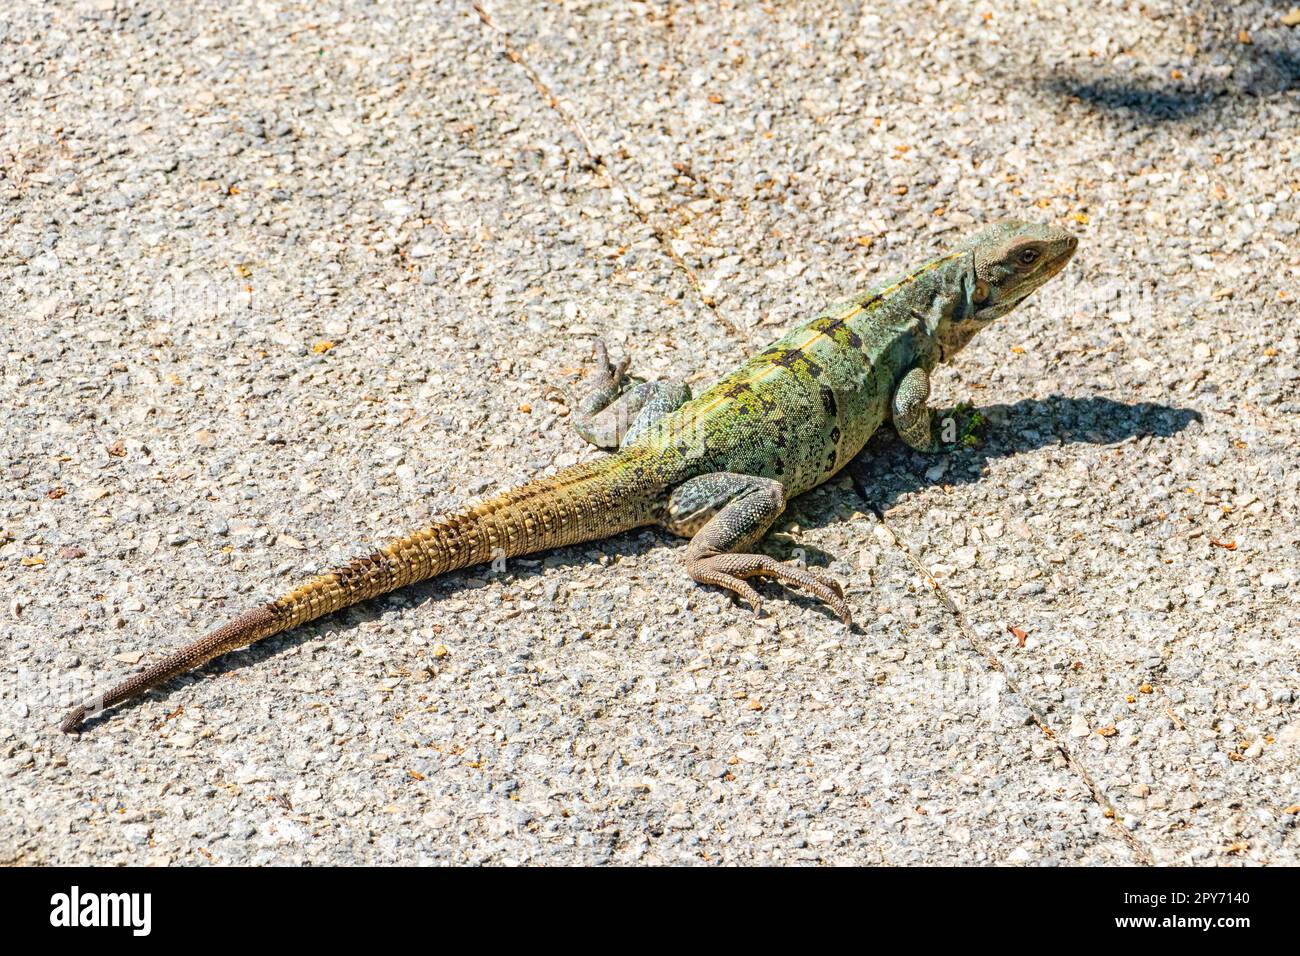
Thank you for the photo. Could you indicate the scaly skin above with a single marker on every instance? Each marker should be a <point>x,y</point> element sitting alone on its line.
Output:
<point>717,469</point>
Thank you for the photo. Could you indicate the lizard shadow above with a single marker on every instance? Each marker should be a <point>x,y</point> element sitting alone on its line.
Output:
<point>885,471</point>
<point>1013,429</point>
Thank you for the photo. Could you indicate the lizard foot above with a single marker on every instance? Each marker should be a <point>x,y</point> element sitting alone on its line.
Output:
<point>606,382</point>
<point>730,571</point>
<point>609,373</point>
<point>605,386</point>
<point>618,406</point>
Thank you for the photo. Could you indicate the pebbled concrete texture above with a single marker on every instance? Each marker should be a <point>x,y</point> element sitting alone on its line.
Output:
<point>283,280</point>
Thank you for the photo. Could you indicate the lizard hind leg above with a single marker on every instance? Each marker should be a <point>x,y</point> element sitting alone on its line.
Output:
<point>655,400</point>
<point>612,414</point>
<point>724,513</point>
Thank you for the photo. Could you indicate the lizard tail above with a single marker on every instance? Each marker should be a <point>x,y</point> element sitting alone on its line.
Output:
<point>589,501</point>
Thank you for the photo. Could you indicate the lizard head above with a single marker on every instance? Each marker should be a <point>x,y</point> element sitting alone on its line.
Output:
<point>1012,259</point>
<point>1001,265</point>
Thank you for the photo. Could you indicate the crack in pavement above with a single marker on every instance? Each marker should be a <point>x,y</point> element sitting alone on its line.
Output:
<point>602,168</point>
<point>1140,849</point>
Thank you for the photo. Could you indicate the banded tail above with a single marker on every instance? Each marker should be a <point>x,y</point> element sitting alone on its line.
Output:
<point>585,502</point>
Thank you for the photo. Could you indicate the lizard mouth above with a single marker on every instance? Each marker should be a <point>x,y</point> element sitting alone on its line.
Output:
<point>1061,260</point>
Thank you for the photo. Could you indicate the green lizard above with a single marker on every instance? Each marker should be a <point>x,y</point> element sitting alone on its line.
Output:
<point>717,469</point>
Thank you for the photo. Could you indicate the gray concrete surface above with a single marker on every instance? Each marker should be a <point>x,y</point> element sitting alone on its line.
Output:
<point>280,280</point>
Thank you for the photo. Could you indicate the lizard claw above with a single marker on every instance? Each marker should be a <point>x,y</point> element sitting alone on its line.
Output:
<point>613,373</point>
<point>817,582</point>
<point>826,578</point>
<point>731,570</point>
<point>608,378</point>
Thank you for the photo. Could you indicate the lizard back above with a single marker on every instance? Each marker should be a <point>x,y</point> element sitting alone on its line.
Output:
<point>803,407</point>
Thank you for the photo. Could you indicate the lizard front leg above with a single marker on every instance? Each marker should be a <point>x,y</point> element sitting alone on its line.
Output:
<point>725,513</point>
<point>913,419</point>
<point>610,416</point>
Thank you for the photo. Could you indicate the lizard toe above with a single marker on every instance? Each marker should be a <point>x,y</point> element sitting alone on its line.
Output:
<point>826,578</point>
<point>730,571</point>
<point>707,571</point>
<point>612,372</point>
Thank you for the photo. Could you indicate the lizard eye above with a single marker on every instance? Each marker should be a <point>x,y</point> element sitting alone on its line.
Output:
<point>981,291</point>
<point>1027,257</point>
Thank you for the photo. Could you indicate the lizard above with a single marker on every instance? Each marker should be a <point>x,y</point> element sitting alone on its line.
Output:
<point>717,468</point>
